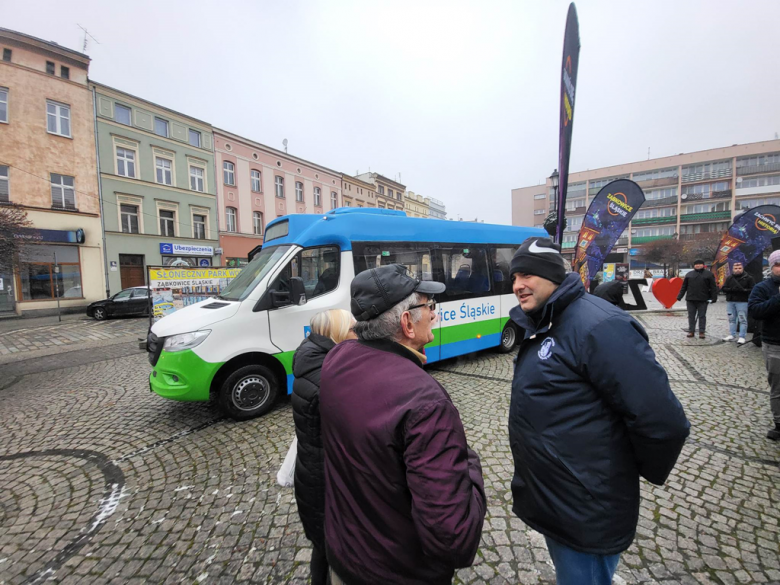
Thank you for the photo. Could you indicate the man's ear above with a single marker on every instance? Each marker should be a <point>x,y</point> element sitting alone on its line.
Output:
<point>406,325</point>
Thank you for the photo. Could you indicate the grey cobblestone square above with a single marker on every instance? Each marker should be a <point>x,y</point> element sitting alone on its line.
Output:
<point>102,481</point>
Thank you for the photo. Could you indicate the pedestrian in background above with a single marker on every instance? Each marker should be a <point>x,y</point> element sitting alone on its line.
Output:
<point>327,329</point>
<point>612,292</point>
<point>404,498</point>
<point>700,289</point>
<point>764,305</point>
<point>591,411</point>
<point>737,288</point>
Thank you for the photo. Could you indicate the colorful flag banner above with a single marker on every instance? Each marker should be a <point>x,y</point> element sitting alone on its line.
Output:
<point>608,216</point>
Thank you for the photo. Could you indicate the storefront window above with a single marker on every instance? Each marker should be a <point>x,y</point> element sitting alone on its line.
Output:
<point>38,278</point>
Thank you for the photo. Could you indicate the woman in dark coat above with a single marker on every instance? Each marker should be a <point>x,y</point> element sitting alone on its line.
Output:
<point>327,329</point>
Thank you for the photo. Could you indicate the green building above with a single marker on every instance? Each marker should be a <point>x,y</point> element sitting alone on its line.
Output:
<point>157,187</point>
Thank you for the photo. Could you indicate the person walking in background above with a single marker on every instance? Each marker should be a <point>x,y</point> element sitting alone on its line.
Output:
<point>404,498</point>
<point>700,289</point>
<point>764,305</point>
<point>612,292</point>
<point>737,288</point>
<point>327,329</point>
<point>591,411</point>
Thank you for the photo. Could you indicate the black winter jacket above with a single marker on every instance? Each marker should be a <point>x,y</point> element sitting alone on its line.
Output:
<point>764,305</point>
<point>699,286</point>
<point>591,412</point>
<point>310,463</point>
<point>737,288</point>
<point>612,292</point>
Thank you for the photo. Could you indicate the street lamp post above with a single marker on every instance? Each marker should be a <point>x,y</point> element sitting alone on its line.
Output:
<point>551,223</point>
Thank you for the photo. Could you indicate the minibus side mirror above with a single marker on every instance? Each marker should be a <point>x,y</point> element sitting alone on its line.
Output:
<point>297,291</point>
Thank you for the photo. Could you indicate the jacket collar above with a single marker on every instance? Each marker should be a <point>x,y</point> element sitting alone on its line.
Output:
<point>325,343</point>
<point>391,346</point>
<point>569,290</point>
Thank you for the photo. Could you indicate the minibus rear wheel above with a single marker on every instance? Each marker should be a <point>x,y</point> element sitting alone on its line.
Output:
<point>508,338</point>
<point>248,392</point>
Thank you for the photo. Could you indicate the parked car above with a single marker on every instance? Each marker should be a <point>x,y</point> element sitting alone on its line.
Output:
<point>131,301</point>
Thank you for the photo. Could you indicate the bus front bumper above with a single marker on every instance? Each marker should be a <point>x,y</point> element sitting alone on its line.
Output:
<point>182,375</point>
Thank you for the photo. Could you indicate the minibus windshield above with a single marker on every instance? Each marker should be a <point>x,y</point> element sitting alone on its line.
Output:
<point>246,281</point>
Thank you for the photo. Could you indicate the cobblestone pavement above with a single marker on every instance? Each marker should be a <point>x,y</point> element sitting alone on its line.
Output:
<point>103,482</point>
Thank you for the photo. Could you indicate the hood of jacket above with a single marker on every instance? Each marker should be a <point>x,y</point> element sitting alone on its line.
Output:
<point>310,354</point>
<point>568,291</point>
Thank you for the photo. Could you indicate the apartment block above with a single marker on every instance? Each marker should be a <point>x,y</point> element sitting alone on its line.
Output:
<point>47,166</point>
<point>688,196</point>
<point>416,205</point>
<point>357,193</point>
<point>389,194</point>
<point>436,209</point>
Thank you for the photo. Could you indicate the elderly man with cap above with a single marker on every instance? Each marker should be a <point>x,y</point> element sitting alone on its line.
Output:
<point>764,305</point>
<point>404,498</point>
<point>591,411</point>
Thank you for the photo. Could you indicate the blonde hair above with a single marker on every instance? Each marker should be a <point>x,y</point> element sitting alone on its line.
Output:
<point>334,323</point>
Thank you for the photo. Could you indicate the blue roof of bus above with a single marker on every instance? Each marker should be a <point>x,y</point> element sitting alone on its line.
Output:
<point>350,224</point>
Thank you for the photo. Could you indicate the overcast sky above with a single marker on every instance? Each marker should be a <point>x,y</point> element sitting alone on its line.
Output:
<point>459,98</point>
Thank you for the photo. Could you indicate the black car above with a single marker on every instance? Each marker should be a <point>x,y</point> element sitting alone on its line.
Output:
<point>131,301</point>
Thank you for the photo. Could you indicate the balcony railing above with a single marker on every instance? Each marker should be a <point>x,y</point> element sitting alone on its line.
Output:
<point>725,194</point>
<point>707,216</point>
<point>565,245</point>
<point>699,236</point>
<point>575,211</point>
<point>654,220</point>
<point>645,239</point>
<point>664,182</point>
<point>622,241</point>
<point>694,177</point>
<point>660,202</point>
<point>757,169</point>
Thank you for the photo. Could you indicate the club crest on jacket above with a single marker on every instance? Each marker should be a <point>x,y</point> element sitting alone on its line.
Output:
<point>546,350</point>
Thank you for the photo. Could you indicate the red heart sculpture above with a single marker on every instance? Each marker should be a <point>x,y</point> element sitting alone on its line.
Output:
<point>666,290</point>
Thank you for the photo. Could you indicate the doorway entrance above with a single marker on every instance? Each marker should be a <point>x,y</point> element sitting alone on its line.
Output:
<point>131,270</point>
<point>7,303</point>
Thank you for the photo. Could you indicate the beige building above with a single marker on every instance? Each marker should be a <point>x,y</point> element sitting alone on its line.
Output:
<point>416,205</point>
<point>688,196</point>
<point>48,166</point>
<point>357,193</point>
<point>389,194</point>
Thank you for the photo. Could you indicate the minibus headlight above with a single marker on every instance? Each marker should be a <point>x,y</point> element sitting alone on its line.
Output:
<point>185,340</point>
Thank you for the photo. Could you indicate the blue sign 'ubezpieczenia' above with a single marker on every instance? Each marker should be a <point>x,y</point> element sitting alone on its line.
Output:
<point>185,249</point>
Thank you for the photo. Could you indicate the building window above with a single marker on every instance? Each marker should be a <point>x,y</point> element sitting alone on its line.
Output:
<point>161,127</point>
<point>129,215</point>
<point>58,118</point>
<point>758,161</point>
<point>540,196</point>
<point>656,212</point>
<point>7,55</point>
<point>299,191</point>
<point>63,193</point>
<point>257,219</point>
<point>317,197</point>
<point>540,211</point>
<point>656,174</point>
<point>125,162</point>
<point>279,187</point>
<point>661,193</point>
<point>347,203</point>
<point>195,138</point>
<point>199,226</point>
<point>761,181</point>
<point>334,200</point>
<point>122,114</point>
<point>196,178</point>
<point>3,104</point>
<point>167,222</point>
<point>50,67</point>
<point>64,72</point>
<point>390,193</point>
<point>255,180</point>
<point>40,281</point>
<point>381,190</point>
<point>5,191</point>
<point>228,173</point>
<point>163,168</point>
<point>230,219</point>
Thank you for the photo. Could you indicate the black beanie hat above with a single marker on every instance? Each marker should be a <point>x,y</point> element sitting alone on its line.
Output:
<point>539,257</point>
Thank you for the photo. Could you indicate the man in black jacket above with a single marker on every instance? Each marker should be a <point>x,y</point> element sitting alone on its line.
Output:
<point>764,305</point>
<point>591,412</point>
<point>701,288</point>
<point>612,292</point>
<point>737,288</point>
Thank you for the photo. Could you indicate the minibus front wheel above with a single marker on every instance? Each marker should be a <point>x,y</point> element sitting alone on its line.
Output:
<point>248,392</point>
<point>508,338</point>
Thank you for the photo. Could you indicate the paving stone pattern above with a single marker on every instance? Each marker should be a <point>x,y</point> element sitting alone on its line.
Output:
<point>102,481</point>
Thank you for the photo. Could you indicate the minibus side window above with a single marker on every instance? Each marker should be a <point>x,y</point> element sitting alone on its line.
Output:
<point>501,257</point>
<point>318,267</point>
<point>415,257</point>
<point>466,272</point>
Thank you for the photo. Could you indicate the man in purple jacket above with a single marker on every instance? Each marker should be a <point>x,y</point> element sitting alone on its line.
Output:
<point>404,499</point>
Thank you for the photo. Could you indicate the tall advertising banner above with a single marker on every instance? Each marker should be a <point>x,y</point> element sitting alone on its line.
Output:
<point>171,288</point>
<point>571,59</point>
<point>608,215</point>
<point>749,235</point>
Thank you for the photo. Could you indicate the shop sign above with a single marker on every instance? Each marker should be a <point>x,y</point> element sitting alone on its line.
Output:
<point>62,236</point>
<point>174,288</point>
<point>185,249</point>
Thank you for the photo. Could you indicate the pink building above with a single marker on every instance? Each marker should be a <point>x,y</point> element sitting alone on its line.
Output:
<point>257,183</point>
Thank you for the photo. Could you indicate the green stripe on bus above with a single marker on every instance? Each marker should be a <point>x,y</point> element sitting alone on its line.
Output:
<point>286,359</point>
<point>467,331</point>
